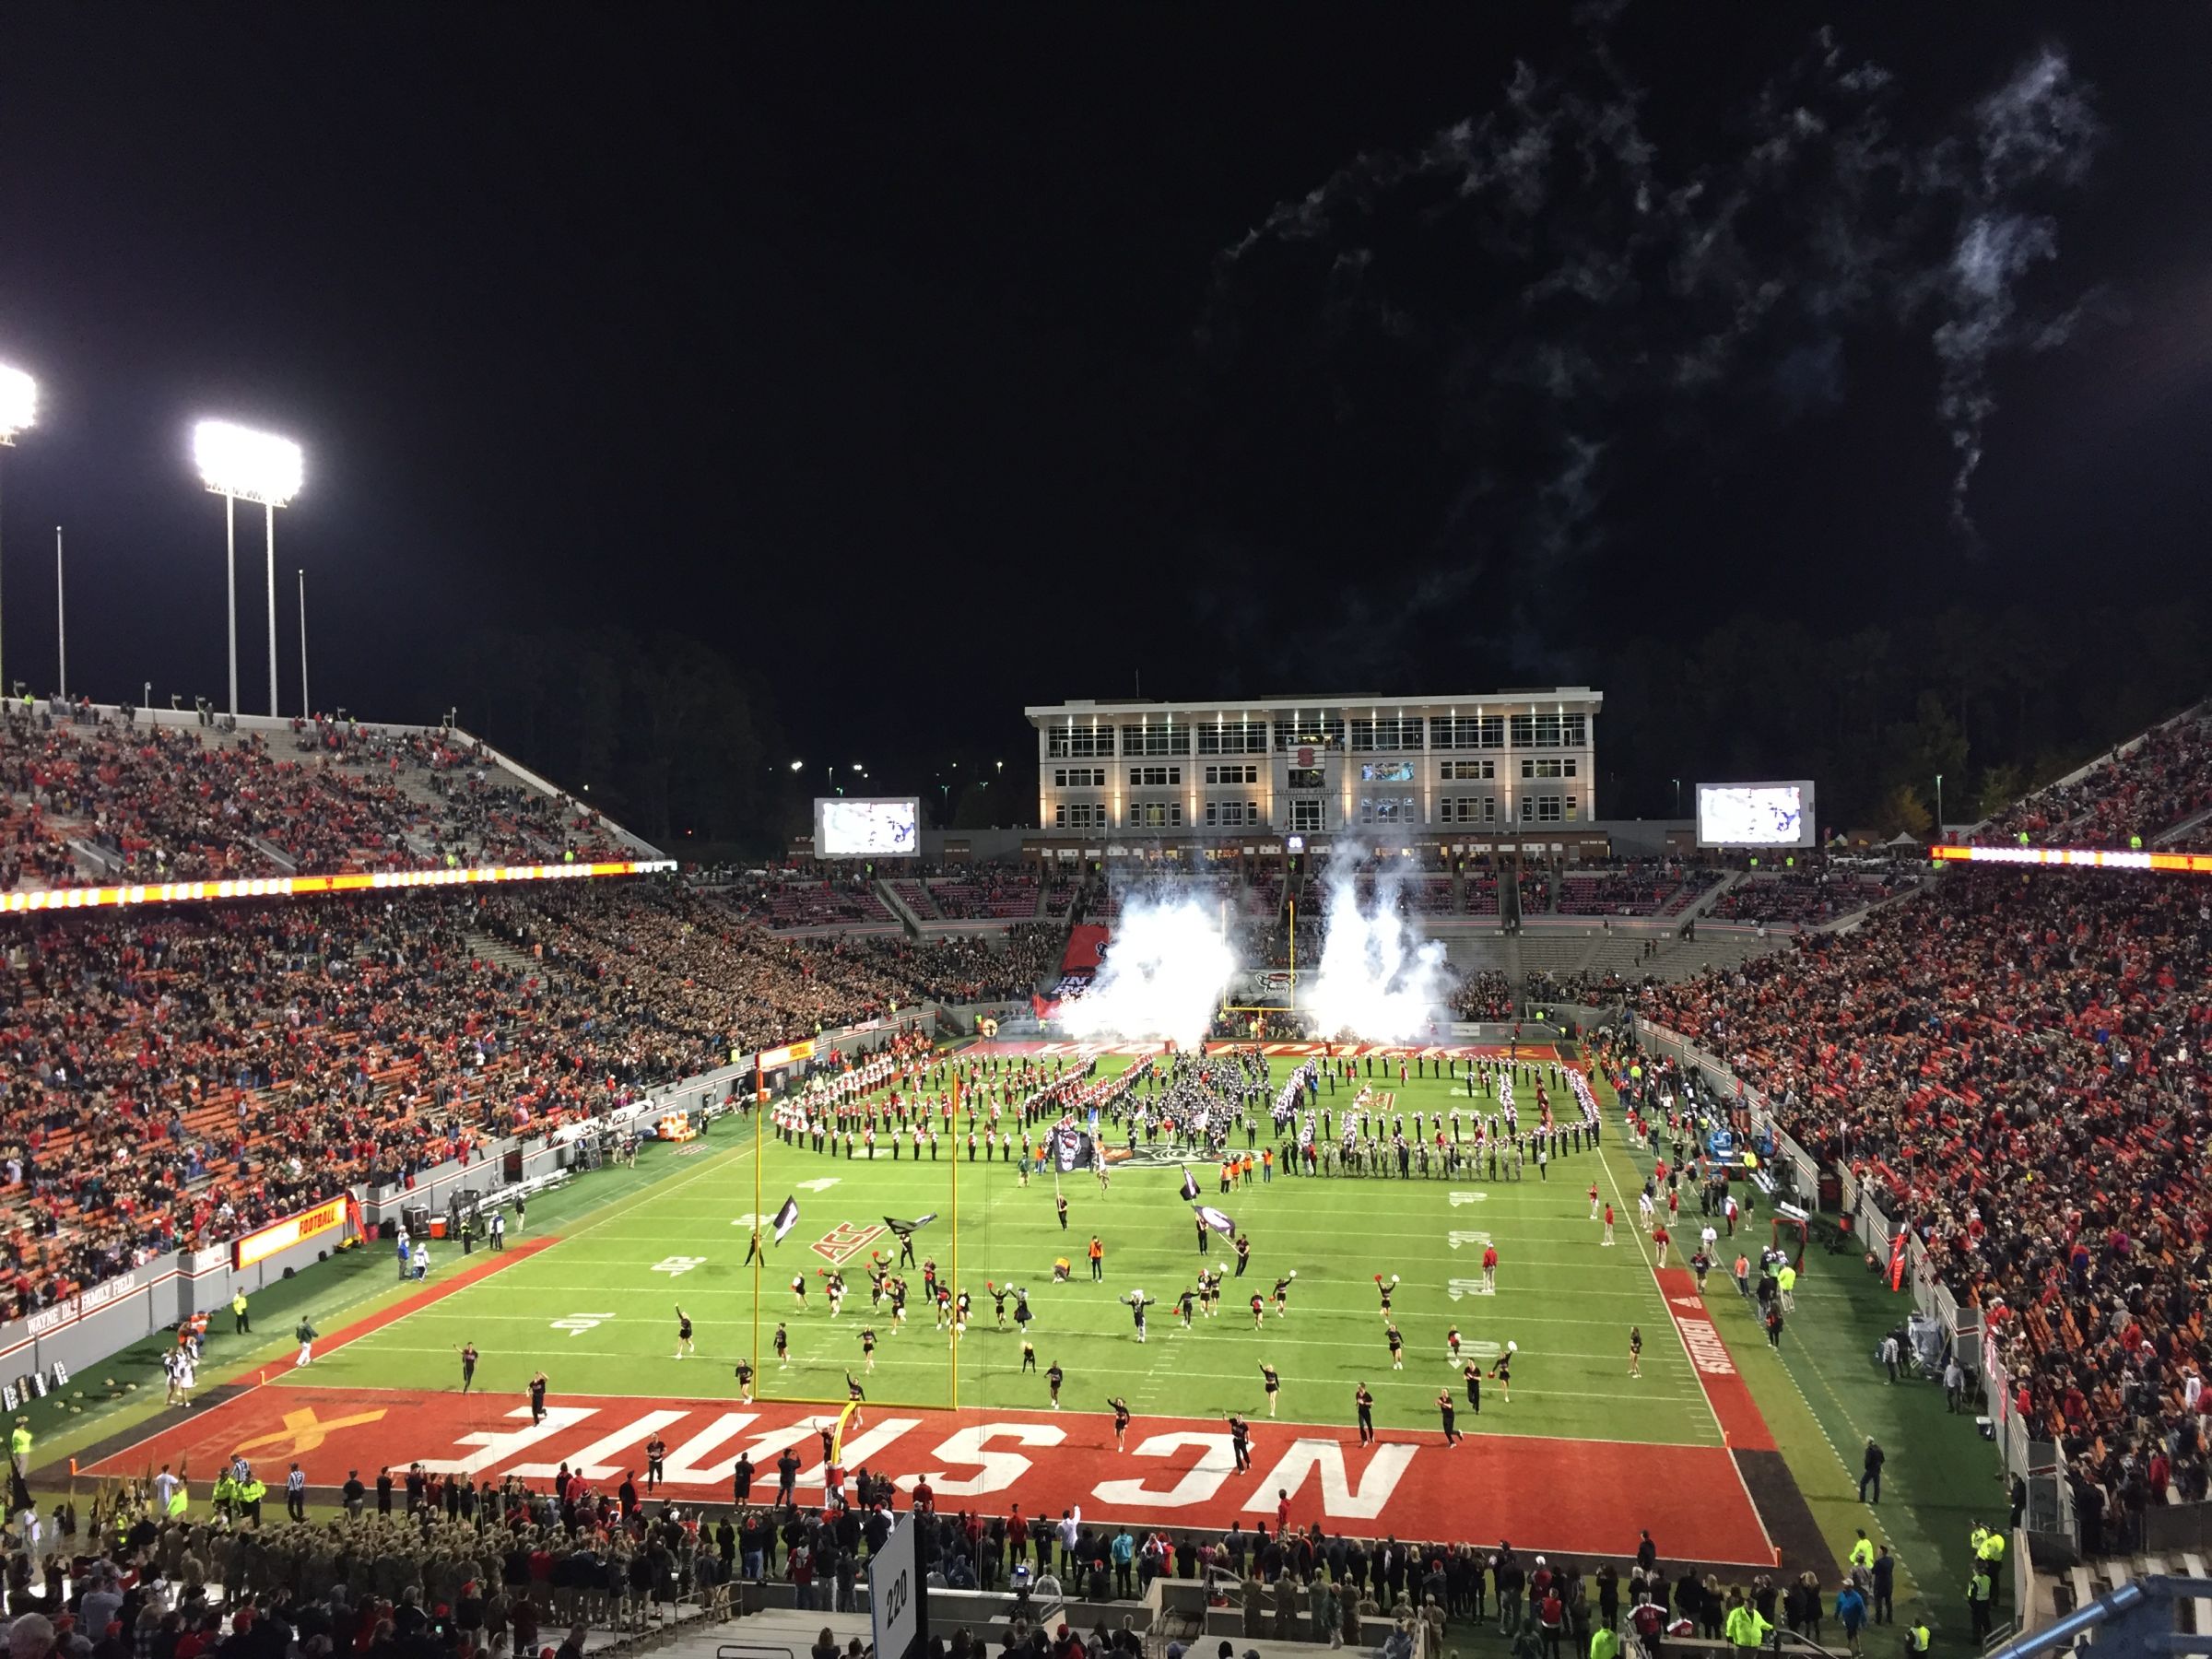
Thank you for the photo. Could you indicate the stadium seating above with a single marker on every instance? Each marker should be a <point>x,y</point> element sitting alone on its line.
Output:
<point>91,798</point>
<point>2019,1067</point>
<point>986,893</point>
<point>180,1075</point>
<point>1804,898</point>
<point>2163,783</point>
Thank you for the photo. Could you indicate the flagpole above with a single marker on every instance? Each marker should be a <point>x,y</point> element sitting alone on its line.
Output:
<point>760,1156</point>
<point>957,1244</point>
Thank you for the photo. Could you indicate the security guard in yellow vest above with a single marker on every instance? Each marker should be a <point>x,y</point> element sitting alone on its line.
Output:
<point>250,1494</point>
<point>18,1448</point>
<point>1976,1538</point>
<point>1992,1550</point>
<point>1862,1551</point>
<point>239,1322</point>
<point>1746,1629</point>
<point>1918,1636</point>
<point>1981,1599</point>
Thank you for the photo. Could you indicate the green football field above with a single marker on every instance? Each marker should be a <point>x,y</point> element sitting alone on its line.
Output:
<point>596,1310</point>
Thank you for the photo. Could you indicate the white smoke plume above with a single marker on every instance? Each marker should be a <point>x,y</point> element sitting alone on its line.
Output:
<point>1380,980</point>
<point>1573,282</point>
<point>1163,975</point>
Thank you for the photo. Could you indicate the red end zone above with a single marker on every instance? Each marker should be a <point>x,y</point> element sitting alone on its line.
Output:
<point>1583,1498</point>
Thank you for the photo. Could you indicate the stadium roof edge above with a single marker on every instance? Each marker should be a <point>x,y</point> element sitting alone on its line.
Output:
<point>1295,703</point>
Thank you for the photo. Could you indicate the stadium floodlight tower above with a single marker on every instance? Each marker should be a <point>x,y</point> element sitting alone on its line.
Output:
<point>18,410</point>
<point>239,464</point>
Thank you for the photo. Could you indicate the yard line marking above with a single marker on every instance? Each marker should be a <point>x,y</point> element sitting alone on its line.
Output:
<point>1676,1326</point>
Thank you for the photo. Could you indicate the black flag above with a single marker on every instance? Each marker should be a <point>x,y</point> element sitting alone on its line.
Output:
<point>786,1218</point>
<point>1189,1185</point>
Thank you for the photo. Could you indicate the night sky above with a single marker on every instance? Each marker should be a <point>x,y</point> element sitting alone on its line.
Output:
<point>932,371</point>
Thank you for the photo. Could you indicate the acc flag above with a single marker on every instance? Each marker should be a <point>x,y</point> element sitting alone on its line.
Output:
<point>786,1218</point>
<point>1218,1219</point>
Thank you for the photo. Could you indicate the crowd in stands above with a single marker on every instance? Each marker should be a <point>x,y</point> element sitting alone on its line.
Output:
<point>2165,779</point>
<point>1804,898</point>
<point>420,1566</point>
<point>792,900</point>
<point>176,1076</point>
<point>1485,994</point>
<point>1635,889</point>
<point>985,893</point>
<point>2017,1063</point>
<point>175,803</point>
<point>1060,889</point>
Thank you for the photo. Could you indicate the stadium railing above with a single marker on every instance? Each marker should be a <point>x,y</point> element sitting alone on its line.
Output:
<point>2040,1465</point>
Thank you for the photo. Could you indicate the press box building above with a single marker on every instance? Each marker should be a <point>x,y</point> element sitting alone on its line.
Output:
<point>1508,764</point>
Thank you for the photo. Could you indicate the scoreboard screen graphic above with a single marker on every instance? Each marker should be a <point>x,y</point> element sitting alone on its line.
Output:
<point>1756,815</point>
<point>851,827</point>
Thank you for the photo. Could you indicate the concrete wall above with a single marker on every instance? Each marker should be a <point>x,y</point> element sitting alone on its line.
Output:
<point>82,1330</point>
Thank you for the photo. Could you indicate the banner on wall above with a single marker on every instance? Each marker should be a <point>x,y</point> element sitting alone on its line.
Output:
<point>324,1218</point>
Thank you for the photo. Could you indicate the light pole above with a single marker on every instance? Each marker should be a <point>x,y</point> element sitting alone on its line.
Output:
<point>236,462</point>
<point>1678,797</point>
<point>18,409</point>
<point>307,709</point>
<point>61,621</point>
<point>1938,805</point>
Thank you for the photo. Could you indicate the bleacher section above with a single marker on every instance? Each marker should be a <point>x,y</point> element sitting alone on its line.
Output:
<point>999,895</point>
<point>88,797</point>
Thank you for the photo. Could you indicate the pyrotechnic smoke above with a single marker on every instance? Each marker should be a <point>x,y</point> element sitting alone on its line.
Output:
<point>1380,980</point>
<point>1164,976</point>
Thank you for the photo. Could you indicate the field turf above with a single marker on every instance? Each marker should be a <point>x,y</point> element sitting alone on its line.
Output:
<point>598,1311</point>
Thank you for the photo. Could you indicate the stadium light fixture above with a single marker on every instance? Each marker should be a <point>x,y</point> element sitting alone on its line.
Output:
<point>798,766</point>
<point>18,403</point>
<point>238,462</point>
<point>18,410</point>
